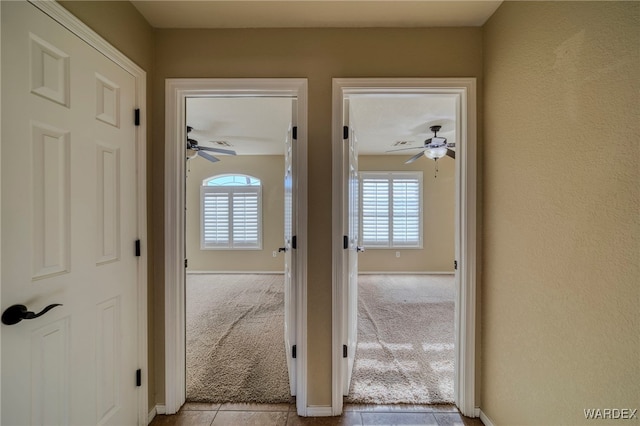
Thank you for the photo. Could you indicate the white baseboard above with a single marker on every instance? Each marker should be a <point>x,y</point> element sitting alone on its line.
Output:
<point>235,272</point>
<point>319,411</point>
<point>406,273</point>
<point>152,415</point>
<point>485,419</point>
<point>158,409</point>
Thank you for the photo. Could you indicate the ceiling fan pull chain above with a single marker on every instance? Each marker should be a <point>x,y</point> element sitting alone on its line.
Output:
<point>436,174</point>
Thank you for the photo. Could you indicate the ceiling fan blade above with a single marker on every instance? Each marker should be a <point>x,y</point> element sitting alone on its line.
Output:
<point>241,138</point>
<point>405,149</point>
<point>414,158</point>
<point>208,157</point>
<point>451,153</point>
<point>218,150</point>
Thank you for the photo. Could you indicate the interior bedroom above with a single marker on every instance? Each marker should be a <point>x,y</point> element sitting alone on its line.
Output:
<point>234,230</point>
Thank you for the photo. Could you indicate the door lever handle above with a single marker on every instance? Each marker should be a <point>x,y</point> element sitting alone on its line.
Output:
<point>16,313</point>
<point>360,249</point>
<point>282,249</point>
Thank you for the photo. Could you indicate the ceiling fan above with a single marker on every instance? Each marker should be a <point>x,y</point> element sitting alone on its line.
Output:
<point>192,145</point>
<point>435,147</point>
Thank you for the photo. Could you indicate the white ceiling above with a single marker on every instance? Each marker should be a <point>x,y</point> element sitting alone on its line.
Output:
<point>258,126</point>
<point>389,122</point>
<point>249,126</point>
<point>315,13</point>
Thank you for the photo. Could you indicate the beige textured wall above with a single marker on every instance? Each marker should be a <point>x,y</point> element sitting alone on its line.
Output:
<point>120,23</point>
<point>437,254</point>
<point>318,55</point>
<point>561,293</point>
<point>270,170</point>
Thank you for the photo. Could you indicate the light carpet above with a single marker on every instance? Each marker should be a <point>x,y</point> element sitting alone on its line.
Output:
<point>235,339</point>
<point>405,350</point>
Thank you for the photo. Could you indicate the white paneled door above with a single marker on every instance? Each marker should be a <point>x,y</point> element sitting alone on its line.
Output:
<point>289,245</point>
<point>352,248</point>
<point>68,227</point>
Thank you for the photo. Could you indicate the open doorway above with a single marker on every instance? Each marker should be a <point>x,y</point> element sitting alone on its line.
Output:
<point>290,250</point>
<point>453,106</point>
<point>406,231</point>
<point>235,219</point>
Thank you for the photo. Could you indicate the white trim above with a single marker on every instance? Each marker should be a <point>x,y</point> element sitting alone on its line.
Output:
<point>152,414</point>
<point>406,273</point>
<point>465,89</point>
<point>319,411</point>
<point>1,144</point>
<point>176,92</point>
<point>235,272</point>
<point>485,419</point>
<point>158,409</point>
<point>86,34</point>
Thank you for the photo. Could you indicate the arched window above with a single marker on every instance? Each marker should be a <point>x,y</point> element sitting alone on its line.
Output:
<point>231,207</point>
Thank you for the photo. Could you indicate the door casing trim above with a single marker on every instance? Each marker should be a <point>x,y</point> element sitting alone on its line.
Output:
<point>465,223</point>
<point>177,90</point>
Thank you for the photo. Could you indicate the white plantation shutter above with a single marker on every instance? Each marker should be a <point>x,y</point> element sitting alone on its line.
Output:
<point>406,212</point>
<point>231,216</point>
<point>375,211</point>
<point>245,219</point>
<point>215,226</point>
<point>391,211</point>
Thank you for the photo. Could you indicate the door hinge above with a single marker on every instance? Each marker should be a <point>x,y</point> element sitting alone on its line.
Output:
<point>186,263</point>
<point>138,377</point>
<point>294,242</point>
<point>138,248</point>
<point>344,351</point>
<point>345,242</point>
<point>293,351</point>
<point>455,265</point>
<point>136,117</point>
<point>294,133</point>
<point>345,132</point>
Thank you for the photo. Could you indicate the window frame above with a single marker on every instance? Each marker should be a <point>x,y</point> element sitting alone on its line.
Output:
<point>230,191</point>
<point>390,176</point>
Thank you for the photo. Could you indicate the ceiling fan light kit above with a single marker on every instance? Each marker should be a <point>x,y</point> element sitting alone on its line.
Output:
<point>436,148</point>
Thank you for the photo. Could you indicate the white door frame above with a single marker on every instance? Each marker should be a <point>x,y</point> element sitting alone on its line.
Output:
<point>465,222</point>
<point>86,34</point>
<point>177,90</point>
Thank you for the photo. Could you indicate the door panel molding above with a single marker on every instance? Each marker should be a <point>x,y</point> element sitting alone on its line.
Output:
<point>465,223</point>
<point>177,90</point>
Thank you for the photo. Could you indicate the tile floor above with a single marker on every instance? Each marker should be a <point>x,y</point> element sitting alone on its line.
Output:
<point>203,414</point>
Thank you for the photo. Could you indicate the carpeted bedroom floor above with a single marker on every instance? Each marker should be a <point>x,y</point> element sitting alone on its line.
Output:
<point>235,339</point>
<point>405,350</point>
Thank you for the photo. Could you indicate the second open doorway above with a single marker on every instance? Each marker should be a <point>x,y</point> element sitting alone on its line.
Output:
<point>390,206</point>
